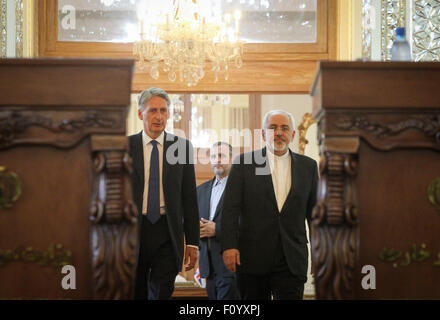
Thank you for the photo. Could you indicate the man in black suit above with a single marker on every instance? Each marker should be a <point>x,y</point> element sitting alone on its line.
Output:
<point>220,282</point>
<point>164,191</point>
<point>269,195</point>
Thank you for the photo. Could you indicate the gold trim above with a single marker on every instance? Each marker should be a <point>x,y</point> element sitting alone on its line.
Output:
<point>415,254</point>
<point>367,35</point>
<point>345,30</point>
<point>10,188</point>
<point>434,193</point>
<point>437,262</point>
<point>54,256</point>
<point>29,28</point>
<point>3,29</point>
<point>18,28</point>
<point>307,121</point>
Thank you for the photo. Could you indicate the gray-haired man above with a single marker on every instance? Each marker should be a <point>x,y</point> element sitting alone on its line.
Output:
<point>264,214</point>
<point>164,191</point>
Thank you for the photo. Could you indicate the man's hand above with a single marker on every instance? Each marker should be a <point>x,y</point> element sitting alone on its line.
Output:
<point>191,255</point>
<point>207,228</point>
<point>231,258</point>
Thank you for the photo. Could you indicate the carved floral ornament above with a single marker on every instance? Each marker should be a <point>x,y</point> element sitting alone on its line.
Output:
<point>335,221</point>
<point>55,256</point>
<point>428,124</point>
<point>108,205</point>
<point>113,226</point>
<point>415,254</point>
<point>14,123</point>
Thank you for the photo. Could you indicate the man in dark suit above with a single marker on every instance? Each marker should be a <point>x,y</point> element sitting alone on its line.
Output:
<point>220,282</point>
<point>164,191</point>
<point>269,195</point>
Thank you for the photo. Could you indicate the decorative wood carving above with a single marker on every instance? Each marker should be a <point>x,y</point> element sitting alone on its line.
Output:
<point>15,124</point>
<point>63,131</point>
<point>428,124</point>
<point>10,188</point>
<point>434,193</point>
<point>334,227</point>
<point>55,256</point>
<point>386,131</point>
<point>114,228</point>
<point>370,198</point>
<point>307,121</point>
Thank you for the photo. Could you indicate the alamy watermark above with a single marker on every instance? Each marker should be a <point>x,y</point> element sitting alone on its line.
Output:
<point>369,280</point>
<point>69,280</point>
<point>68,21</point>
<point>244,140</point>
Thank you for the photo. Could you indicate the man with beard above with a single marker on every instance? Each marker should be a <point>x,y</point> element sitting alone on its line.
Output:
<point>270,194</point>
<point>220,282</point>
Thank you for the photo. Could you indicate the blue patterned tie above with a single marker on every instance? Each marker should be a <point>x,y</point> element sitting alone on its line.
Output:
<point>153,209</point>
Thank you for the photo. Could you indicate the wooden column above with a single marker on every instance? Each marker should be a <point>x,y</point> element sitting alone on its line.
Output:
<point>65,178</point>
<point>379,136</point>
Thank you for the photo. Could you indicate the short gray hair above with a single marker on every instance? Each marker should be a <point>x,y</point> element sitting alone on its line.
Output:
<point>272,112</point>
<point>150,93</point>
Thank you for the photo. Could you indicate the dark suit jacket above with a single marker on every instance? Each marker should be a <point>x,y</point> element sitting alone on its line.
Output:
<point>179,189</point>
<point>213,243</point>
<point>251,218</point>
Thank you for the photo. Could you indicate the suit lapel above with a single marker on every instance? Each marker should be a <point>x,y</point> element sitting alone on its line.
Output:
<point>219,205</point>
<point>138,157</point>
<point>207,203</point>
<point>165,165</point>
<point>294,182</point>
<point>268,183</point>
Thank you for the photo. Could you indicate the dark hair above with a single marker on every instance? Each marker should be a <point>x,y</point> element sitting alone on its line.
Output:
<point>219,143</point>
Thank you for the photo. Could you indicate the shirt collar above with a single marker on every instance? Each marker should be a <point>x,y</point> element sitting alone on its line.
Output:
<point>285,156</point>
<point>147,139</point>
<point>272,155</point>
<point>222,181</point>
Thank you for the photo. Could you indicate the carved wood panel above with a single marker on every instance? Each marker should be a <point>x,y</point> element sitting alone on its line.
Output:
<point>113,216</point>
<point>335,227</point>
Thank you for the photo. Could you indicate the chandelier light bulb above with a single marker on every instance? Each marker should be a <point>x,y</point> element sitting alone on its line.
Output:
<point>237,14</point>
<point>184,38</point>
<point>228,18</point>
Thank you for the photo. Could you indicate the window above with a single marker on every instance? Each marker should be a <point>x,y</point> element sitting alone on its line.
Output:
<point>263,21</point>
<point>285,39</point>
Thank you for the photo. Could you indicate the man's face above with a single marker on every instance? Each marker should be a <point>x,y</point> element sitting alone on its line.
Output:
<point>283,134</point>
<point>154,115</point>
<point>220,160</point>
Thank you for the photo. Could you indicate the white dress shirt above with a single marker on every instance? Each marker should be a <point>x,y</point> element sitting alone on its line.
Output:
<point>281,171</point>
<point>216,193</point>
<point>148,147</point>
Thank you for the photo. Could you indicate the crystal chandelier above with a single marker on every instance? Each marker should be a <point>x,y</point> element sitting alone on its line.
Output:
<point>183,35</point>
